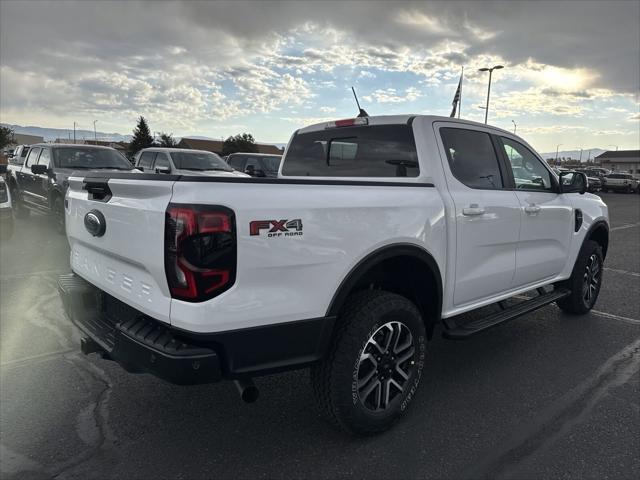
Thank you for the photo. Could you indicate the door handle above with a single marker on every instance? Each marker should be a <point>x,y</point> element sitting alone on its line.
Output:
<point>532,209</point>
<point>473,209</point>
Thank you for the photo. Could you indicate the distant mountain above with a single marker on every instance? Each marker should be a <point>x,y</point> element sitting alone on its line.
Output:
<point>50,134</point>
<point>574,154</point>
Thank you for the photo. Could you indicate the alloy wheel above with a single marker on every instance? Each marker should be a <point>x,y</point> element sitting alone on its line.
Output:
<point>385,366</point>
<point>591,280</point>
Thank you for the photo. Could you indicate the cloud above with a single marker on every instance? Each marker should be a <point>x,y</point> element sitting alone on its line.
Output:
<point>390,95</point>
<point>193,63</point>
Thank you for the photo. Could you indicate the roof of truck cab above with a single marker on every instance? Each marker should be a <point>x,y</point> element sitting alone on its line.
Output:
<point>172,149</point>
<point>256,154</point>
<point>71,145</point>
<point>400,119</point>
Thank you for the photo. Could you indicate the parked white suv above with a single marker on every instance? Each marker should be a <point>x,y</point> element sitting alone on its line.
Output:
<point>376,231</point>
<point>620,182</point>
<point>180,161</point>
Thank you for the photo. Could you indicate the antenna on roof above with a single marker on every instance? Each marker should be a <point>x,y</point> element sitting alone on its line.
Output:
<point>362,112</point>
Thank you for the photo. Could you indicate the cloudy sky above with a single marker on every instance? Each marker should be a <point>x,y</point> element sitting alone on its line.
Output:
<point>571,71</point>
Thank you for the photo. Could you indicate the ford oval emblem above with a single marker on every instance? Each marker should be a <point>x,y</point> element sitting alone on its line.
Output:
<point>95,223</point>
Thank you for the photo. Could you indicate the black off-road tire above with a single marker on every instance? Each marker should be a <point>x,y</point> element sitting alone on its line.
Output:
<point>579,302</point>
<point>335,379</point>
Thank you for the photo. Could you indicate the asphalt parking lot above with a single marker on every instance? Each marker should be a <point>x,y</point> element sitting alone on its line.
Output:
<point>545,396</point>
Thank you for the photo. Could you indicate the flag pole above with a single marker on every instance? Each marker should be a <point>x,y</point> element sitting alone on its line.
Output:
<point>460,101</point>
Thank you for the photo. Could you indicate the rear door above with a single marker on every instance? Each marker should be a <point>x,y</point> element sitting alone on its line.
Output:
<point>487,214</point>
<point>547,216</point>
<point>41,181</point>
<point>26,179</point>
<point>127,260</point>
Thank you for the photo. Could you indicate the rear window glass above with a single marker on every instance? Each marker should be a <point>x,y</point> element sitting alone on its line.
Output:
<point>199,161</point>
<point>371,151</point>
<point>472,158</point>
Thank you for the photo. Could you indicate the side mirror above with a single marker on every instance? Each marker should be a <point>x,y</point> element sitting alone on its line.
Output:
<point>3,168</point>
<point>573,182</point>
<point>39,169</point>
<point>164,170</point>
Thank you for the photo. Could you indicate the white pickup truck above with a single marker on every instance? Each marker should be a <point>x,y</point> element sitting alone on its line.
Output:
<point>376,231</point>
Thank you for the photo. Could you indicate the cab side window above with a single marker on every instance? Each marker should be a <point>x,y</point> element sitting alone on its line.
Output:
<point>236,162</point>
<point>45,157</point>
<point>146,159</point>
<point>162,161</point>
<point>528,171</point>
<point>32,158</point>
<point>472,158</point>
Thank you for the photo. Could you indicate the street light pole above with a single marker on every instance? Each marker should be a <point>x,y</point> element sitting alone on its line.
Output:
<point>95,137</point>
<point>557,147</point>
<point>74,133</point>
<point>490,70</point>
<point>515,126</point>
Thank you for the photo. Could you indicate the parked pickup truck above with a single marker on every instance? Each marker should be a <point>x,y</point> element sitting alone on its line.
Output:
<point>376,231</point>
<point>40,183</point>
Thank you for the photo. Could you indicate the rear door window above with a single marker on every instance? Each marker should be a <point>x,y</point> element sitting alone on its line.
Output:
<point>45,157</point>
<point>472,158</point>
<point>32,158</point>
<point>358,151</point>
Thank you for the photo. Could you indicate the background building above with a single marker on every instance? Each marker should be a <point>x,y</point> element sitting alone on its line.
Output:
<point>620,160</point>
<point>24,139</point>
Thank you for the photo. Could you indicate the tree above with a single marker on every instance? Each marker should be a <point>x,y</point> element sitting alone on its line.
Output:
<point>167,140</point>
<point>242,142</point>
<point>141,137</point>
<point>6,137</point>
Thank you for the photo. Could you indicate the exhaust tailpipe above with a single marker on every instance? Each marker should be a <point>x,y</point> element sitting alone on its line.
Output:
<point>248,391</point>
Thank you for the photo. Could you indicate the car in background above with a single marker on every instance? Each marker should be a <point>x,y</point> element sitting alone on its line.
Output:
<point>19,155</point>
<point>6,212</point>
<point>181,161</point>
<point>595,183</point>
<point>620,182</point>
<point>255,164</point>
<point>599,171</point>
<point>42,181</point>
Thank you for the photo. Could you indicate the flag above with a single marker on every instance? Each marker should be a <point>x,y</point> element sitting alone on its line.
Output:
<point>457,97</point>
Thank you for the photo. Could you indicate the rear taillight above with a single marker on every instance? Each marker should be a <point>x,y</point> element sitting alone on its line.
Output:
<point>199,251</point>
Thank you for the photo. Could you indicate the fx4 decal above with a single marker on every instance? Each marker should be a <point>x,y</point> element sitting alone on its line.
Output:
<point>276,228</point>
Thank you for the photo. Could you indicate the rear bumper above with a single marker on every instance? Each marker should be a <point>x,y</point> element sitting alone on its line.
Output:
<point>141,344</point>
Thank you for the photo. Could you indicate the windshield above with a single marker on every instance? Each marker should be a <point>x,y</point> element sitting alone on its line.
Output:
<point>90,158</point>
<point>199,161</point>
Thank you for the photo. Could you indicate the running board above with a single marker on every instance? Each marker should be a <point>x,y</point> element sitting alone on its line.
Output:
<point>468,329</point>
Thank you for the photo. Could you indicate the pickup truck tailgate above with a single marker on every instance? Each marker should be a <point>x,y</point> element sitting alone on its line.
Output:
<point>126,260</point>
